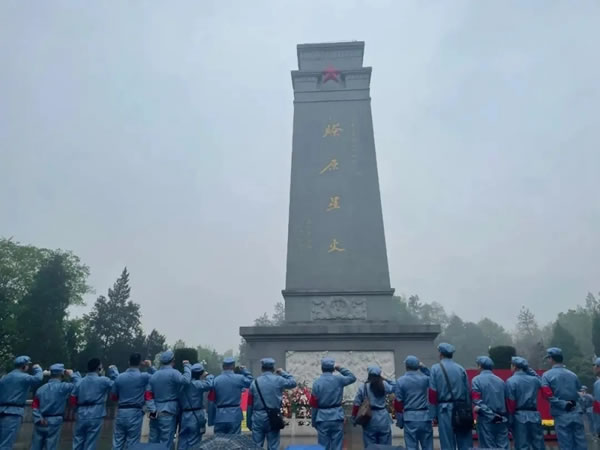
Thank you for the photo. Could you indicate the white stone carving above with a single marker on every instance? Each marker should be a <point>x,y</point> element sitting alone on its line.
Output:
<point>306,366</point>
<point>331,308</point>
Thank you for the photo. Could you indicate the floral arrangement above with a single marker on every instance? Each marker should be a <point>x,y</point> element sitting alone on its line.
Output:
<point>296,402</point>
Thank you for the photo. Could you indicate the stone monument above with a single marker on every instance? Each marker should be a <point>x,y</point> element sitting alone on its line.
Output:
<point>338,298</point>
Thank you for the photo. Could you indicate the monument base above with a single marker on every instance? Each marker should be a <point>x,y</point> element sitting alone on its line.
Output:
<point>298,347</point>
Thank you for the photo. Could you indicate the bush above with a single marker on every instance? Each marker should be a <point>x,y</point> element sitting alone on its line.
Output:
<point>502,355</point>
<point>183,354</point>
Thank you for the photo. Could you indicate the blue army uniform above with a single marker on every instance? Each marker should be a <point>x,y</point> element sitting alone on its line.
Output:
<point>90,397</point>
<point>586,401</point>
<point>162,398</point>
<point>411,405</point>
<point>14,388</point>
<point>488,392</point>
<point>441,400</point>
<point>48,409</point>
<point>225,397</point>
<point>521,401</point>
<point>193,416</point>
<point>129,391</point>
<point>271,387</point>
<point>561,386</point>
<point>326,402</point>
<point>596,406</point>
<point>379,428</point>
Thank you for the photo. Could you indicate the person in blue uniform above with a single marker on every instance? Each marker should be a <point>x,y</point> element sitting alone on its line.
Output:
<point>379,428</point>
<point>525,420</point>
<point>191,401</point>
<point>271,383</point>
<point>90,398</point>
<point>441,400</point>
<point>162,399</point>
<point>129,390</point>
<point>586,402</point>
<point>14,387</point>
<point>560,387</point>
<point>488,392</point>
<point>411,406</point>
<point>48,407</point>
<point>596,394</point>
<point>326,403</point>
<point>225,397</point>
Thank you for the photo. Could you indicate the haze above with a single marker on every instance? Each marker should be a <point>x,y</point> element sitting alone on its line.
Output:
<point>158,136</point>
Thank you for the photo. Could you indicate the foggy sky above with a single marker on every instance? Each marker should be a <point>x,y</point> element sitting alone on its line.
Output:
<point>157,135</point>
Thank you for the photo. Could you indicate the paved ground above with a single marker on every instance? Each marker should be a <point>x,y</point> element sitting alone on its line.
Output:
<point>353,439</point>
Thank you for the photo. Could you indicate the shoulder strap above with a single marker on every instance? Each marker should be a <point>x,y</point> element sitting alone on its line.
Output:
<point>447,381</point>
<point>260,394</point>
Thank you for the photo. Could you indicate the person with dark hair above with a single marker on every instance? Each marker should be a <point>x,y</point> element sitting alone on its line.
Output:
<point>488,392</point>
<point>410,404</point>
<point>14,388</point>
<point>89,397</point>
<point>379,428</point>
<point>268,387</point>
<point>326,403</point>
<point>449,388</point>
<point>128,390</point>
<point>560,387</point>
<point>191,401</point>
<point>48,407</point>
<point>525,420</point>
<point>225,396</point>
<point>162,399</point>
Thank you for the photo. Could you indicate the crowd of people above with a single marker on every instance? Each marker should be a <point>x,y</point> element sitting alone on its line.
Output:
<point>423,397</point>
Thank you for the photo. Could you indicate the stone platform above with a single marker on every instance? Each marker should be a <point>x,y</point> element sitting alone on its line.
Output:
<point>298,347</point>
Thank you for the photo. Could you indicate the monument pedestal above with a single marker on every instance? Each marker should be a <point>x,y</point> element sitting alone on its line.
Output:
<point>299,347</point>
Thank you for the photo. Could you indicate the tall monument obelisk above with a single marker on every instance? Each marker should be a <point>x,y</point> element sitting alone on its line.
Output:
<point>337,265</point>
<point>338,298</point>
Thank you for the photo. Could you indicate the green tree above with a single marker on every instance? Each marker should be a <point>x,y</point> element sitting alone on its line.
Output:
<point>467,338</point>
<point>427,313</point>
<point>211,359</point>
<point>42,313</point>
<point>529,340</point>
<point>579,323</point>
<point>75,340</point>
<point>596,333</point>
<point>564,340</point>
<point>494,332</point>
<point>19,265</point>
<point>154,344</point>
<point>113,327</point>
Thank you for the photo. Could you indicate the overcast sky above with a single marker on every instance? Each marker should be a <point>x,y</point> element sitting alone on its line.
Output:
<point>157,135</point>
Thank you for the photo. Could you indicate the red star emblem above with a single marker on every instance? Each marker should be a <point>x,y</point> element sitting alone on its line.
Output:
<point>331,74</point>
